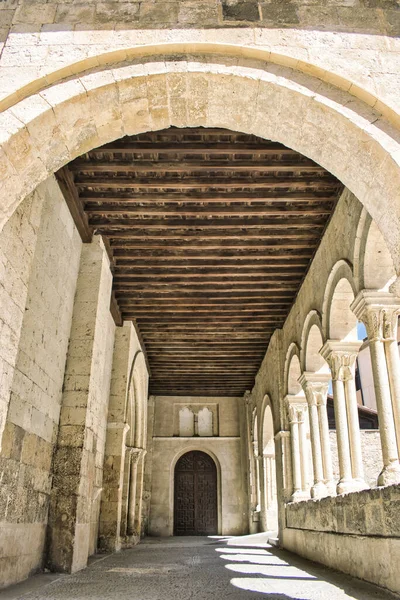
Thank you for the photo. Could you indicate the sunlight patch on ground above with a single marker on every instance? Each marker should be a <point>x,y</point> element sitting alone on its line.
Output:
<point>255,559</point>
<point>271,571</point>
<point>290,589</point>
<point>257,551</point>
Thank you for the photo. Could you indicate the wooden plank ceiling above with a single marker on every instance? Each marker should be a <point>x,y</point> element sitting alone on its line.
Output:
<point>211,234</point>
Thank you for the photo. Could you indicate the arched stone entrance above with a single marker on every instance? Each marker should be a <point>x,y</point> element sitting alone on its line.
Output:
<point>195,495</point>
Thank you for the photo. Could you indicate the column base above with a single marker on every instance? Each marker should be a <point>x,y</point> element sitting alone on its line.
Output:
<point>319,490</point>
<point>359,485</point>
<point>130,541</point>
<point>331,487</point>
<point>390,474</point>
<point>300,495</point>
<point>345,486</point>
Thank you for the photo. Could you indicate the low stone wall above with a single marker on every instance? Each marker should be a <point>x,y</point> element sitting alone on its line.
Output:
<point>368,524</point>
<point>369,513</point>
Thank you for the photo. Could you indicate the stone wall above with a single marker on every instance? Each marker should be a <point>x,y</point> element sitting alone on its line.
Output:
<point>36,390</point>
<point>358,533</point>
<point>79,456</point>
<point>226,449</point>
<point>17,247</point>
<point>377,17</point>
<point>367,513</point>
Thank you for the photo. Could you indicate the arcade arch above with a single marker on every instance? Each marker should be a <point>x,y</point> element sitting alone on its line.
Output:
<point>47,126</point>
<point>99,113</point>
<point>269,502</point>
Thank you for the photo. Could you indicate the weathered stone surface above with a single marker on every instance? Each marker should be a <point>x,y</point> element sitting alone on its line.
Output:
<point>232,10</point>
<point>321,77</point>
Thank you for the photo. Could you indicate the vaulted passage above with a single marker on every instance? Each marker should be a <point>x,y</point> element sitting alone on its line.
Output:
<point>210,233</point>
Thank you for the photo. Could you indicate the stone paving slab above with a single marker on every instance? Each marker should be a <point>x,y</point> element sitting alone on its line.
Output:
<point>202,568</point>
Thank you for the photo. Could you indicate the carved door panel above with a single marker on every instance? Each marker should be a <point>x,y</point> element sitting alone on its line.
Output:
<point>195,495</point>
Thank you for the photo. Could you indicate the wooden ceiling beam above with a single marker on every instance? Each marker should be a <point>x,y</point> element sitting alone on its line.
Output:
<point>223,211</point>
<point>288,225</point>
<point>173,255</point>
<point>165,166</point>
<point>239,239</point>
<point>210,233</point>
<point>300,183</point>
<point>127,301</point>
<point>296,197</point>
<point>157,148</point>
<point>204,271</point>
<point>67,186</point>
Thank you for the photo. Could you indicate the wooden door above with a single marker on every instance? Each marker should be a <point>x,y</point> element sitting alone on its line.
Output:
<point>195,495</point>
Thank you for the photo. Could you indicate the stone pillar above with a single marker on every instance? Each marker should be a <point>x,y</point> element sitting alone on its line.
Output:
<point>314,385</point>
<point>84,400</point>
<point>283,456</point>
<point>379,312</point>
<point>113,478</point>
<point>135,456</point>
<point>341,357</point>
<point>252,485</point>
<point>322,395</point>
<point>139,495</point>
<point>297,408</point>
<point>257,459</point>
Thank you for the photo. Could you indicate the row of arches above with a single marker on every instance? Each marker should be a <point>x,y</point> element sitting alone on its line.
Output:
<point>357,316</point>
<point>357,304</point>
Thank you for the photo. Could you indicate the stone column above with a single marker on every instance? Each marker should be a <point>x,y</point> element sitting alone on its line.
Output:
<point>84,399</point>
<point>283,456</point>
<point>135,456</point>
<point>322,394</point>
<point>341,357</point>
<point>111,505</point>
<point>379,311</point>
<point>297,407</point>
<point>311,384</point>
<point>139,494</point>
<point>257,476</point>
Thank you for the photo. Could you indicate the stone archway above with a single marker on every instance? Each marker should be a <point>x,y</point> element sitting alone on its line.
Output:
<point>47,130</point>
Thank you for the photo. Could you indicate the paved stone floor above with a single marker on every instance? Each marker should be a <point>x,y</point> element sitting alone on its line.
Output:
<point>200,569</point>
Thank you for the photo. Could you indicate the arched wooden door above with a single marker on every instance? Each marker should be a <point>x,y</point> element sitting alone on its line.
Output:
<point>195,495</point>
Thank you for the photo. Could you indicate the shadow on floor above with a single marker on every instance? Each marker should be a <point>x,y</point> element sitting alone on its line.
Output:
<point>278,574</point>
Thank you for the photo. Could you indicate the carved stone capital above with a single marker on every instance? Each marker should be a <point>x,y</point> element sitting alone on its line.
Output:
<point>379,312</point>
<point>315,386</point>
<point>248,398</point>
<point>341,358</point>
<point>296,407</point>
<point>135,454</point>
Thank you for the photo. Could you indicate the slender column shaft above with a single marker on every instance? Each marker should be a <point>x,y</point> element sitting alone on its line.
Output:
<point>139,494</point>
<point>264,486</point>
<point>385,410</point>
<point>393,365</point>
<point>314,385</point>
<point>316,444</point>
<point>342,434</point>
<point>379,311</point>
<point>135,453</point>
<point>341,357</point>
<point>294,430</point>
<point>354,429</point>
<point>303,454</point>
<point>325,445</point>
